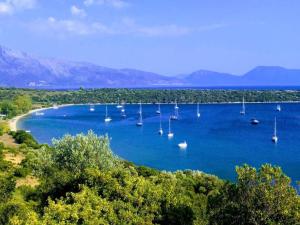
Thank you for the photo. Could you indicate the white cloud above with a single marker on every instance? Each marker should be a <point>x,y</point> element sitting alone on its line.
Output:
<point>77,11</point>
<point>67,27</point>
<point>127,26</point>
<point>11,6</point>
<point>113,3</point>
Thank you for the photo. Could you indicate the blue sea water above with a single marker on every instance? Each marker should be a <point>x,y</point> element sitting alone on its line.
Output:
<point>217,141</point>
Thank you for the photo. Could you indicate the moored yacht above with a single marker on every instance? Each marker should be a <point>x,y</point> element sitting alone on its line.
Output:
<point>243,111</point>
<point>183,145</point>
<point>160,131</point>
<point>170,133</point>
<point>140,120</point>
<point>198,112</point>
<point>107,119</point>
<point>254,121</point>
<point>275,137</point>
<point>158,109</point>
<point>278,108</point>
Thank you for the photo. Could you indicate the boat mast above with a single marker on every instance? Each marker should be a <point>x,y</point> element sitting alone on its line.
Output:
<point>275,128</point>
<point>141,114</point>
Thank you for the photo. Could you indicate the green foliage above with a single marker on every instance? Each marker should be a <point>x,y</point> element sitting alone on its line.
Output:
<point>8,108</point>
<point>22,137</point>
<point>259,197</point>
<point>23,103</point>
<point>82,182</point>
<point>76,153</point>
<point>104,95</point>
<point>7,186</point>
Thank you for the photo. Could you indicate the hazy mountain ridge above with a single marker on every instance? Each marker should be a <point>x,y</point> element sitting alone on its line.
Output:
<point>19,69</point>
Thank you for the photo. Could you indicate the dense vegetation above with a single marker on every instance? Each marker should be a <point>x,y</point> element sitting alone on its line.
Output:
<point>45,97</point>
<point>82,182</point>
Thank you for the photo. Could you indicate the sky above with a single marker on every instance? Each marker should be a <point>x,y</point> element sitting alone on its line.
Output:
<point>169,37</point>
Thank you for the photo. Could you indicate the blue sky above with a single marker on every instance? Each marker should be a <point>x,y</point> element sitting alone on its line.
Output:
<point>168,37</point>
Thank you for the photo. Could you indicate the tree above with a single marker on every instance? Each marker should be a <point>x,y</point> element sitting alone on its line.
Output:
<point>23,103</point>
<point>76,153</point>
<point>259,197</point>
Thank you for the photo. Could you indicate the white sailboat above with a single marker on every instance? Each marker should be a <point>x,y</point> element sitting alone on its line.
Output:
<point>170,134</point>
<point>158,109</point>
<point>183,145</point>
<point>175,116</point>
<point>107,119</point>
<point>123,114</point>
<point>243,111</point>
<point>140,120</point>
<point>198,112</point>
<point>119,106</point>
<point>278,108</point>
<point>55,106</point>
<point>39,113</point>
<point>160,131</point>
<point>275,137</point>
<point>92,108</point>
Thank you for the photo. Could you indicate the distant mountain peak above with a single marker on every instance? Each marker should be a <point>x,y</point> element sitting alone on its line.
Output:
<point>20,69</point>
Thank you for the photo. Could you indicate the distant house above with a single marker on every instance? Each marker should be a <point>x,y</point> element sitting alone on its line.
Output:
<point>2,116</point>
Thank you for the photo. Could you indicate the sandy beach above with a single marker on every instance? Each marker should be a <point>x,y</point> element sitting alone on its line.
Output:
<point>13,123</point>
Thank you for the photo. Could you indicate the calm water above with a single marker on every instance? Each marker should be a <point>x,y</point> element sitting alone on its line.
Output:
<point>217,142</point>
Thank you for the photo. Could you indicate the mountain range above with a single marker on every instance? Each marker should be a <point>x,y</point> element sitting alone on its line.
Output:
<point>19,69</point>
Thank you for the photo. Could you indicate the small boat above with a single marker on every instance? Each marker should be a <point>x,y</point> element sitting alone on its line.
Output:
<point>39,113</point>
<point>158,109</point>
<point>275,137</point>
<point>254,121</point>
<point>183,145</point>
<point>198,112</point>
<point>107,119</point>
<point>176,106</point>
<point>278,108</point>
<point>160,131</point>
<point>28,131</point>
<point>92,108</point>
<point>140,120</point>
<point>176,114</point>
<point>55,106</point>
<point>170,133</point>
<point>243,111</point>
<point>119,106</point>
<point>123,114</point>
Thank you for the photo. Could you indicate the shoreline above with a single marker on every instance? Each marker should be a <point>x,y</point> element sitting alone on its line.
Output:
<point>13,123</point>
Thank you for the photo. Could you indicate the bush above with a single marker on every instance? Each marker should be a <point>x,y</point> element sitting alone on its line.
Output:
<point>22,137</point>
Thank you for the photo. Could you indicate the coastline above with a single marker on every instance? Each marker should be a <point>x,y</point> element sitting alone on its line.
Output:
<point>13,123</point>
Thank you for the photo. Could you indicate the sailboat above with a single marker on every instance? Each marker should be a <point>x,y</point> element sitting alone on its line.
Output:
<point>278,108</point>
<point>170,134</point>
<point>123,114</point>
<point>182,145</point>
<point>92,108</point>
<point>119,106</point>
<point>158,109</point>
<point>107,119</point>
<point>243,111</point>
<point>274,137</point>
<point>140,120</point>
<point>175,116</point>
<point>160,131</point>
<point>198,112</point>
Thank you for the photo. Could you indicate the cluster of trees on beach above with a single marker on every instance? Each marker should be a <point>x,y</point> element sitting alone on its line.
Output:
<point>15,105</point>
<point>47,97</point>
<point>81,181</point>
